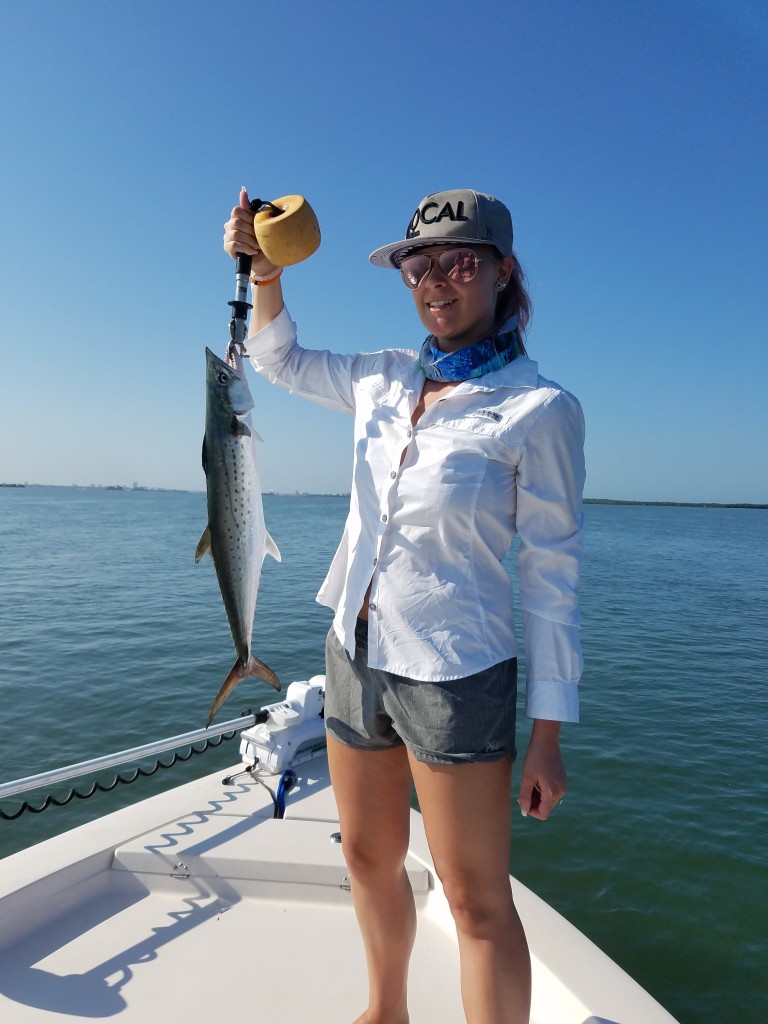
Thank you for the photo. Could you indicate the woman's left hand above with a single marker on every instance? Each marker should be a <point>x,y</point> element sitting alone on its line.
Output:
<point>544,780</point>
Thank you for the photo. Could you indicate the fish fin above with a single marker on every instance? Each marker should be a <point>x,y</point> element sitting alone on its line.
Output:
<point>257,435</point>
<point>270,548</point>
<point>204,545</point>
<point>241,671</point>
<point>259,670</point>
<point>234,677</point>
<point>238,428</point>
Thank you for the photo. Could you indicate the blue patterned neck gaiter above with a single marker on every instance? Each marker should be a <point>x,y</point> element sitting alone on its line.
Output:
<point>473,360</point>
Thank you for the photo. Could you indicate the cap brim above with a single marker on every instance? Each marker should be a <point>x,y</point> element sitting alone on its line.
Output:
<point>383,257</point>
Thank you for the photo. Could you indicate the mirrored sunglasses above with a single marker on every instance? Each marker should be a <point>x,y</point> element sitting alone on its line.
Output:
<point>459,265</point>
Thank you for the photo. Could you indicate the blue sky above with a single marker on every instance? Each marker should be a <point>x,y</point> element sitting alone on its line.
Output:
<point>628,138</point>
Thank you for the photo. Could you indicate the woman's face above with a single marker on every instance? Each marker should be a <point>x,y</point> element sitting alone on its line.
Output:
<point>457,313</point>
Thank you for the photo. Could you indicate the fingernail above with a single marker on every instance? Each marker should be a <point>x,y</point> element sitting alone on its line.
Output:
<point>524,813</point>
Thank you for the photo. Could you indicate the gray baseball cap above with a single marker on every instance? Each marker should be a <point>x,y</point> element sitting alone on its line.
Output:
<point>459,215</point>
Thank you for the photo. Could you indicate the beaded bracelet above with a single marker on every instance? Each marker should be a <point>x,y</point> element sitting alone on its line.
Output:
<point>261,282</point>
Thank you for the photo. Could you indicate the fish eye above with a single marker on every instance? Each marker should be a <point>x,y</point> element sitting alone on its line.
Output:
<point>222,377</point>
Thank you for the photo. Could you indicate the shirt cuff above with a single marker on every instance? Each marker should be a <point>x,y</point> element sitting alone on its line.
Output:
<point>555,702</point>
<point>553,668</point>
<point>276,336</point>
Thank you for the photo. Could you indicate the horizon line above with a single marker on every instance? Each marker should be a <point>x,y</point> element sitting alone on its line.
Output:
<point>346,494</point>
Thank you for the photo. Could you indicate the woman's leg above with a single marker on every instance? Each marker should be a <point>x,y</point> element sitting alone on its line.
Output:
<point>466,811</point>
<point>373,790</point>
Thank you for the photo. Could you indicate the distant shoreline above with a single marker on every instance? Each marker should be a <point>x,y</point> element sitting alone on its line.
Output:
<point>675,504</point>
<point>345,494</point>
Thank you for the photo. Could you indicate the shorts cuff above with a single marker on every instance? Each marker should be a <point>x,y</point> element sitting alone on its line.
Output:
<point>355,744</point>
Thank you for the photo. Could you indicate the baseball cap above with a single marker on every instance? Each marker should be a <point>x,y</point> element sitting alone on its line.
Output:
<point>458,216</point>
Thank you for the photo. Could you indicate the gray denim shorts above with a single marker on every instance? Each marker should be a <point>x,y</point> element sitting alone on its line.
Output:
<point>469,719</point>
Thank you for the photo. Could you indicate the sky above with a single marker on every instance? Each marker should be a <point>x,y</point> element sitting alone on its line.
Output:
<point>628,139</point>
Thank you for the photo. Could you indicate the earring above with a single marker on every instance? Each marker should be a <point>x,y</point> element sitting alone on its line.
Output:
<point>501,285</point>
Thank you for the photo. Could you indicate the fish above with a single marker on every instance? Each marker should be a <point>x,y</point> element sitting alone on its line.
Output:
<point>236,536</point>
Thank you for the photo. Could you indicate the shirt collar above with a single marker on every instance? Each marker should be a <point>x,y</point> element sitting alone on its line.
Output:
<point>520,373</point>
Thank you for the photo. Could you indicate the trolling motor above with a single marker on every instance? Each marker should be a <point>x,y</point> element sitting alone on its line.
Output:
<point>287,232</point>
<point>293,732</point>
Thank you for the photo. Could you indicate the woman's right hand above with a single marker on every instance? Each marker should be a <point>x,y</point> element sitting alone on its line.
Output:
<point>239,236</point>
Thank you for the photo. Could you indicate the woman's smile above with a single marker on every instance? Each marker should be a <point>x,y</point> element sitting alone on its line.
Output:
<point>439,307</point>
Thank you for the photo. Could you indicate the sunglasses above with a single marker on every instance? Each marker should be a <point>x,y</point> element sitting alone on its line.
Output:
<point>458,265</point>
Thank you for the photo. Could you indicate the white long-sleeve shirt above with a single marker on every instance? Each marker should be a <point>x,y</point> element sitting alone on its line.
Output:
<point>434,509</point>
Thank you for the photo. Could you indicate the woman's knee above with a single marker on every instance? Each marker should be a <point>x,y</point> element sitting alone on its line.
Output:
<point>374,858</point>
<point>479,909</point>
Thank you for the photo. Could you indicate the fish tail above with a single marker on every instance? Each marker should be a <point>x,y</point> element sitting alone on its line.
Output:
<point>259,670</point>
<point>242,670</point>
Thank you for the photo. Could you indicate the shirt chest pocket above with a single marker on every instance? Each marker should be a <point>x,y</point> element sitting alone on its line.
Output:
<point>458,457</point>
<point>483,433</point>
<point>462,469</point>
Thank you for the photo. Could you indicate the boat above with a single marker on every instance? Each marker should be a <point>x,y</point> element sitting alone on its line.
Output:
<point>228,897</point>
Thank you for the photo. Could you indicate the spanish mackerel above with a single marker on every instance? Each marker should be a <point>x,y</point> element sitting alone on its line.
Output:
<point>236,536</point>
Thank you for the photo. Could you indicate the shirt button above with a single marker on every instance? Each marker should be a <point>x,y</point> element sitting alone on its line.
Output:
<point>384,518</point>
<point>375,561</point>
<point>392,475</point>
<point>372,606</point>
<point>410,433</point>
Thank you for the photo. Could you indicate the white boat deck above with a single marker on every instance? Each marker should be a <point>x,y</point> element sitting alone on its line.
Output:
<point>222,912</point>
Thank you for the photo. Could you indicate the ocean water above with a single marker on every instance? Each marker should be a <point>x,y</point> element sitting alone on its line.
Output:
<point>111,636</point>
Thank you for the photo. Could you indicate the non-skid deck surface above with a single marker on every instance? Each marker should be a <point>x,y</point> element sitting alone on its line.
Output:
<point>197,957</point>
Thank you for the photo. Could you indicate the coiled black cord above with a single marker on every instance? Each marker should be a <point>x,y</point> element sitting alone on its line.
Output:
<point>98,787</point>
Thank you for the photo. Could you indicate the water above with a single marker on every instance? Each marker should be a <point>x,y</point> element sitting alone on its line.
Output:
<point>110,636</point>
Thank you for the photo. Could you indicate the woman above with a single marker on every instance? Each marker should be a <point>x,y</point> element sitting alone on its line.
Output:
<point>457,449</point>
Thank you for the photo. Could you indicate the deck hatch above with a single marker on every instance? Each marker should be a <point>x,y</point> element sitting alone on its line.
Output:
<point>255,848</point>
